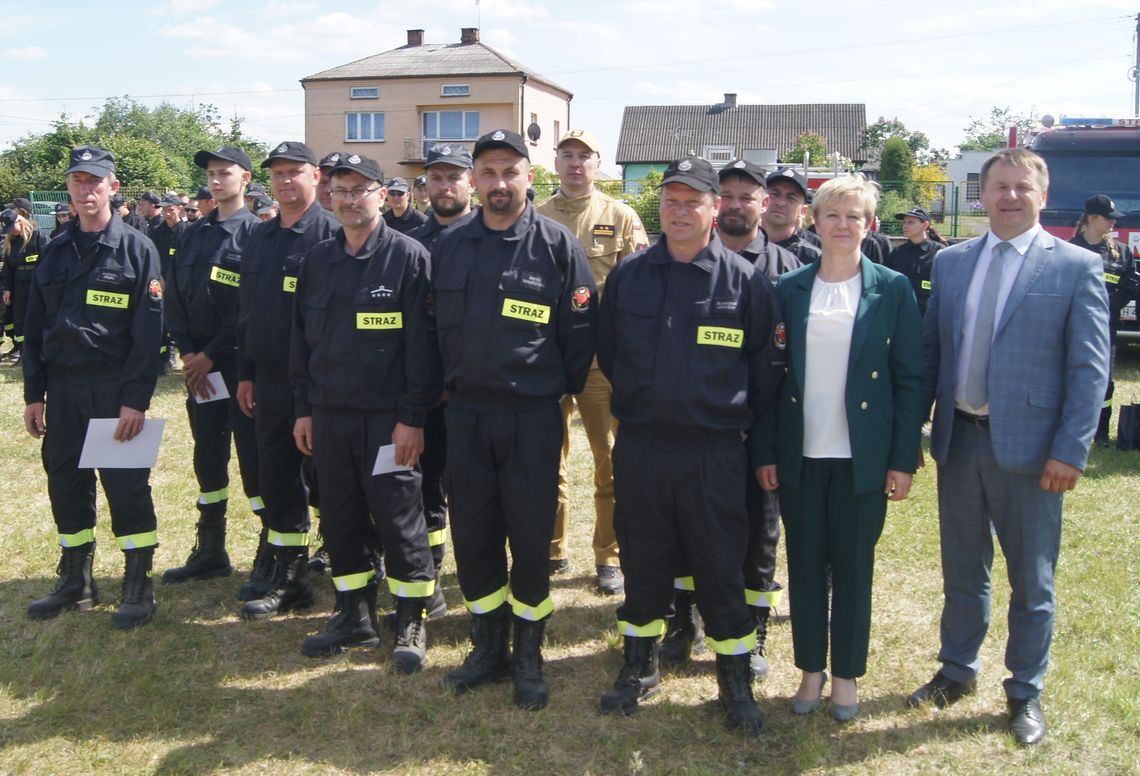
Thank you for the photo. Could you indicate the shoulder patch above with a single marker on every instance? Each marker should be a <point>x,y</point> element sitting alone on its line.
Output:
<point>780,336</point>
<point>154,290</point>
<point>580,299</point>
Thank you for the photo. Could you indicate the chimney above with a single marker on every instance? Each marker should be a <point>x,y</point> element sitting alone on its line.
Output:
<point>468,34</point>
<point>415,37</point>
<point>730,99</point>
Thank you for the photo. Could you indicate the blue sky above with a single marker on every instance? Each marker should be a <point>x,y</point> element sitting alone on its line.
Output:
<point>931,65</point>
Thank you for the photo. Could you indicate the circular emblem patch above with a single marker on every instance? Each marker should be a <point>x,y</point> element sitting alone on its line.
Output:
<point>498,135</point>
<point>685,166</point>
<point>354,159</point>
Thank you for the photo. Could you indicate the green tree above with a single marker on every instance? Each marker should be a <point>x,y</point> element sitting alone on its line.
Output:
<point>991,132</point>
<point>898,161</point>
<point>808,142</point>
<point>646,201</point>
<point>875,135</point>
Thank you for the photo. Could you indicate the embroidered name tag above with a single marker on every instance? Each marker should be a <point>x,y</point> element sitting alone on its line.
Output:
<point>720,336</point>
<point>289,285</point>
<point>525,311</point>
<point>375,321</point>
<point>604,230</point>
<point>224,276</point>
<point>108,299</point>
<point>1110,278</point>
<point>31,258</point>
<point>927,285</point>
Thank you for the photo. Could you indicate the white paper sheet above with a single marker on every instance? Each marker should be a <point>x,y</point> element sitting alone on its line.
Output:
<point>386,461</point>
<point>219,385</point>
<point>101,451</point>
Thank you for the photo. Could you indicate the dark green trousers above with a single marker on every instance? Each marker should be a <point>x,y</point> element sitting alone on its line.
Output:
<point>831,531</point>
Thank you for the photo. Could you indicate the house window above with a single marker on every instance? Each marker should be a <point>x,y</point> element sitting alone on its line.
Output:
<point>973,186</point>
<point>557,132</point>
<point>719,155</point>
<point>455,90</point>
<point>364,93</point>
<point>364,127</point>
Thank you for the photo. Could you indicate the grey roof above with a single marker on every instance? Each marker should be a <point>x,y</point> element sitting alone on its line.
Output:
<point>431,61</point>
<point>648,132</point>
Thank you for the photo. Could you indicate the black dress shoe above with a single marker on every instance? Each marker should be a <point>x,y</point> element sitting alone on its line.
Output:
<point>942,690</point>
<point>1026,721</point>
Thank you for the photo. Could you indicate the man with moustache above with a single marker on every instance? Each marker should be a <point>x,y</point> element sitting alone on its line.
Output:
<point>515,309</point>
<point>422,200</point>
<point>784,209</point>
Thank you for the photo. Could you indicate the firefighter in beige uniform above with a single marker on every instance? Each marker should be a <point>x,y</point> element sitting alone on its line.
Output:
<point>609,230</point>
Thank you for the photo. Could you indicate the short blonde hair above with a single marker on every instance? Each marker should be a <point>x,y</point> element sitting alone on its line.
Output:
<point>847,187</point>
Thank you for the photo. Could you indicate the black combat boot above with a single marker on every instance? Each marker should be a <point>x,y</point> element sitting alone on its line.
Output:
<point>531,691</point>
<point>436,606</point>
<point>684,634</point>
<point>288,589</point>
<point>75,588</point>
<point>261,575</point>
<point>757,658</point>
<point>352,625</point>
<point>489,659</point>
<point>208,558</point>
<point>138,604</point>
<point>639,678</point>
<point>1101,437</point>
<point>734,680</point>
<point>410,652</point>
<point>320,563</point>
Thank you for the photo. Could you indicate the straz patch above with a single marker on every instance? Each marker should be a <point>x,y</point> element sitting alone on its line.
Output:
<point>379,321</point>
<point>927,285</point>
<point>580,299</point>
<point>780,336</point>
<point>720,336</point>
<point>604,230</point>
<point>111,299</point>
<point>154,290</point>
<point>31,258</point>
<point>525,311</point>
<point>1108,277</point>
<point>224,276</point>
<point>289,284</point>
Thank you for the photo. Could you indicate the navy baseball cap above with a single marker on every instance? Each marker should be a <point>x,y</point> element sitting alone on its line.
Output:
<point>331,160</point>
<point>449,153</point>
<point>788,174</point>
<point>398,184</point>
<point>744,169</point>
<point>1102,205</point>
<point>694,172</point>
<point>421,180</point>
<point>20,202</point>
<point>501,138</point>
<point>117,201</point>
<point>292,150</point>
<point>62,207</point>
<point>91,159</point>
<point>170,200</point>
<point>231,154</point>
<point>203,193</point>
<point>263,204</point>
<point>151,197</point>
<point>8,220</point>
<point>361,165</point>
<point>917,212</point>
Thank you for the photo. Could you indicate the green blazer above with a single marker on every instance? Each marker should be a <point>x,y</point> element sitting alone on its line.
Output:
<point>884,380</point>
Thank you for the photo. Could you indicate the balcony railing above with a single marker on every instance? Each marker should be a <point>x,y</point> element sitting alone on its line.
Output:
<point>416,148</point>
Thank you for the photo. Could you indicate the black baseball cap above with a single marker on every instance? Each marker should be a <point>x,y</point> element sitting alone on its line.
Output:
<point>361,165</point>
<point>398,184</point>
<point>694,172</point>
<point>231,154</point>
<point>918,212</point>
<point>170,200</point>
<point>294,151</point>
<point>149,196</point>
<point>263,203</point>
<point>117,201</point>
<point>20,202</point>
<point>501,138</point>
<point>91,159</point>
<point>254,190</point>
<point>789,174</point>
<point>421,180</point>
<point>331,159</point>
<point>62,207</point>
<point>744,169</point>
<point>8,220</point>
<point>203,193</point>
<point>448,153</point>
<point>1102,205</point>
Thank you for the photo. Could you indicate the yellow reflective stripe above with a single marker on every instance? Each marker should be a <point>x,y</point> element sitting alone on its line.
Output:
<point>111,299</point>
<point>740,646</point>
<point>927,285</point>
<point>684,583</point>
<point>1111,278</point>
<point>354,581</point>
<point>533,613</point>
<point>278,539</point>
<point>525,311</point>
<point>137,541</point>
<point>316,512</point>
<point>224,276</point>
<point>31,258</point>
<point>213,496</point>
<point>1107,403</point>
<point>170,252</point>
<point>720,336</point>
<point>18,338</point>
<point>436,538</point>
<point>256,503</point>
<point>651,629</point>
<point>487,603</point>
<point>289,285</point>
<point>375,321</point>
<point>403,589</point>
<point>768,598</point>
<point>86,536</point>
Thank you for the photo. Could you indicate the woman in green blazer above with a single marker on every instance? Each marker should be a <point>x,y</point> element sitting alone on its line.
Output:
<point>843,438</point>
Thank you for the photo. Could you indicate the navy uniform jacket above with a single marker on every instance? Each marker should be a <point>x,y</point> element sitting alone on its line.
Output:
<point>429,232</point>
<point>202,295</point>
<point>405,223</point>
<point>804,244</point>
<point>876,247</point>
<point>770,258</point>
<point>694,350</point>
<point>516,312</point>
<point>165,239</point>
<point>95,317</point>
<point>1120,278</point>
<point>916,261</point>
<point>20,263</point>
<point>362,336</point>
<point>271,260</point>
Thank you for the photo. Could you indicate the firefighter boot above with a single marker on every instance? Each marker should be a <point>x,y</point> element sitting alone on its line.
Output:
<point>75,588</point>
<point>531,691</point>
<point>639,678</point>
<point>410,652</point>
<point>208,558</point>
<point>138,604</point>
<point>436,606</point>
<point>288,589</point>
<point>734,680</point>
<point>261,575</point>
<point>489,659</point>
<point>1101,437</point>
<point>352,625</point>
<point>684,634</point>
<point>757,658</point>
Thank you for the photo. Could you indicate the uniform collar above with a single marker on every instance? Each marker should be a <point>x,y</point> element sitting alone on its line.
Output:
<point>379,237</point>
<point>305,221</point>
<point>233,223</point>
<point>705,260</point>
<point>476,229</point>
<point>111,235</point>
<point>758,245</point>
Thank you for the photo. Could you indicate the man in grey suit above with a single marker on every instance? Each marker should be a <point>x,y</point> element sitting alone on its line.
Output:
<point>1016,354</point>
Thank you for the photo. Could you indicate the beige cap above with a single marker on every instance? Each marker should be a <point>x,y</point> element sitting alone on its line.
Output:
<point>583,136</point>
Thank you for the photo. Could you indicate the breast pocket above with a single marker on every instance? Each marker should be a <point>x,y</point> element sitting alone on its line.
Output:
<point>636,328</point>
<point>378,322</point>
<point>316,307</point>
<point>449,297</point>
<point>527,302</point>
<point>108,295</point>
<point>225,272</point>
<point>290,269</point>
<point>717,330</point>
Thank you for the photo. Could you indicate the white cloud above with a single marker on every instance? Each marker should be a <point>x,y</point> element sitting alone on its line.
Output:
<point>26,53</point>
<point>183,7</point>
<point>287,8</point>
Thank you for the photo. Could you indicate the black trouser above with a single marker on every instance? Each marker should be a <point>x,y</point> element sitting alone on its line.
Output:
<point>21,290</point>
<point>359,510</point>
<point>213,424</point>
<point>279,460</point>
<point>763,536</point>
<point>503,470</point>
<point>72,490</point>
<point>433,463</point>
<point>682,507</point>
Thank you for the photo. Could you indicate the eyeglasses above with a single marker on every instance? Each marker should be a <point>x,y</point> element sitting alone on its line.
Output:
<point>352,194</point>
<point>397,193</point>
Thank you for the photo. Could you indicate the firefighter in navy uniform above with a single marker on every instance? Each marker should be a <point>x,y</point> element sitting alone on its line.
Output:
<point>448,168</point>
<point>915,257</point>
<point>165,236</point>
<point>20,251</point>
<point>784,209</point>
<point>1094,233</point>
<point>270,263</point>
<point>364,368</point>
<point>399,213</point>
<point>202,307</point>
<point>94,325</point>
<point>690,337</point>
<point>515,311</point>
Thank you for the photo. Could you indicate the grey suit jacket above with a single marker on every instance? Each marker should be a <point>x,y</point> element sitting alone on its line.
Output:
<point>1049,360</point>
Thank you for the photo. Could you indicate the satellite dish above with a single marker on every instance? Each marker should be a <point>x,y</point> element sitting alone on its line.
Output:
<point>534,132</point>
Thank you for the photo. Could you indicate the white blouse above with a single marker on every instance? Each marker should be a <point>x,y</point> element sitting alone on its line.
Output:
<point>831,319</point>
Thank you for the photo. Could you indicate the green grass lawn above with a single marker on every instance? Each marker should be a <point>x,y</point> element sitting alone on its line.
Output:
<point>201,691</point>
